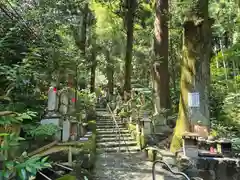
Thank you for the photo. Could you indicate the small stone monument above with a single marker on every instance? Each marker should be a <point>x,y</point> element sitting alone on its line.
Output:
<point>52,107</point>
<point>52,98</point>
<point>66,131</point>
<point>71,100</point>
<point>64,101</point>
<point>52,116</point>
<point>146,125</point>
<point>160,125</point>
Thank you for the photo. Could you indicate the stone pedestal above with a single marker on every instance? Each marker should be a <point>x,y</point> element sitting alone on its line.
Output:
<point>74,130</point>
<point>190,144</point>
<point>66,131</point>
<point>56,121</point>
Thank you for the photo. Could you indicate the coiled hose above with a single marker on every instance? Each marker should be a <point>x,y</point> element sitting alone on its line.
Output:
<point>169,168</point>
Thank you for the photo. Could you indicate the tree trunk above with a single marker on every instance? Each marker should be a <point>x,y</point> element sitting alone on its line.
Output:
<point>80,41</point>
<point>110,73</point>
<point>131,7</point>
<point>93,71</point>
<point>160,66</point>
<point>195,66</point>
<point>83,33</point>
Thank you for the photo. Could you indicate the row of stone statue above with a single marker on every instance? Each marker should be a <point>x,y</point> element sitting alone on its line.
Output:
<point>62,101</point>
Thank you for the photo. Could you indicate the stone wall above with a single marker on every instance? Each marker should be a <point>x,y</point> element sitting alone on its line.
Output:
<point>219,168</point>
<point>209,168</point>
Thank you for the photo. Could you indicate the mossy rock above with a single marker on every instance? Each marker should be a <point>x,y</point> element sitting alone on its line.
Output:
<point>67,177</point>
<point>92,126</point>
<point>132,127</point>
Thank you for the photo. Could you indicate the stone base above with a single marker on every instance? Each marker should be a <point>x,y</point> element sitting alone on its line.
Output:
<point>52,114</point>
<point>210,168</point>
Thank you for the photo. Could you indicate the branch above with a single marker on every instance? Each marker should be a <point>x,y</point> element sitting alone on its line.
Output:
<point>7,113</point>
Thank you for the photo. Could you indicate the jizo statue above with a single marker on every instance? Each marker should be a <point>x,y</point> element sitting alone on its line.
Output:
<point>52,98</point>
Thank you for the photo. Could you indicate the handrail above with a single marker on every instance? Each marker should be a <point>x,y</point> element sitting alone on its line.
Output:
<point>163,162</point>
<point>117,126</point>
<point>168,168</point>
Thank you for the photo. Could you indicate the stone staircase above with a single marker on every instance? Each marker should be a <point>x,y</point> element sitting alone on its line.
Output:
<point>121,160</point>
<point>108,137</point>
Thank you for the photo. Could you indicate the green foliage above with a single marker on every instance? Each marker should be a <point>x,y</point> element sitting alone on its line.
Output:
<point>232,107</point>
<point>16,118</point>
<point>67,177</point>
<point>85,100</point>
<point>31,166</point>
<point>227,124</point>
<point>43,130</point>
<point>9,141</point>
<point>92,126</point>
<point>22,166</point>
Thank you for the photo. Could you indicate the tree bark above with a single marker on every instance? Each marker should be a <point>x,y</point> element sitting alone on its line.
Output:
<point>131,7</point>
<point>160,66</point>
<point>195,66</point>
<point>83,33</point>
<point>110,73</point>
<point>80,40</point>
<point>93,71</point>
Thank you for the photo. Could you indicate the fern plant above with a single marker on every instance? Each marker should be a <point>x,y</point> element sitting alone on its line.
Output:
<point>21,167</point>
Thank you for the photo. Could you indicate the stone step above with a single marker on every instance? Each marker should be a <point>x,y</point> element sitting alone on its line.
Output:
<point>113,139</point>
<point>100,136</point>
<point>110,121</point>
<point>104,120</point>
<point>132,149</point>
<point>107,120</point>
<point>116,144</point>
<point>111,129</point>
<point>102,112</point>
<point>110,126</point>
<point>112,132</point>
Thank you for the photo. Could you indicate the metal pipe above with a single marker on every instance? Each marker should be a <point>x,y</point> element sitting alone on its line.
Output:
<point>44,175</point>
<point>64,167</point>
<point>169,169</point>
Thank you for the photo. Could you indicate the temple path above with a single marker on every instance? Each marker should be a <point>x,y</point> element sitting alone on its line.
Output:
<point>122,165</point>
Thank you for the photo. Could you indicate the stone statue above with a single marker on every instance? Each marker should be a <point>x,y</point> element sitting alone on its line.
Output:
<point>64,101</point>
<point>52,99</point>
